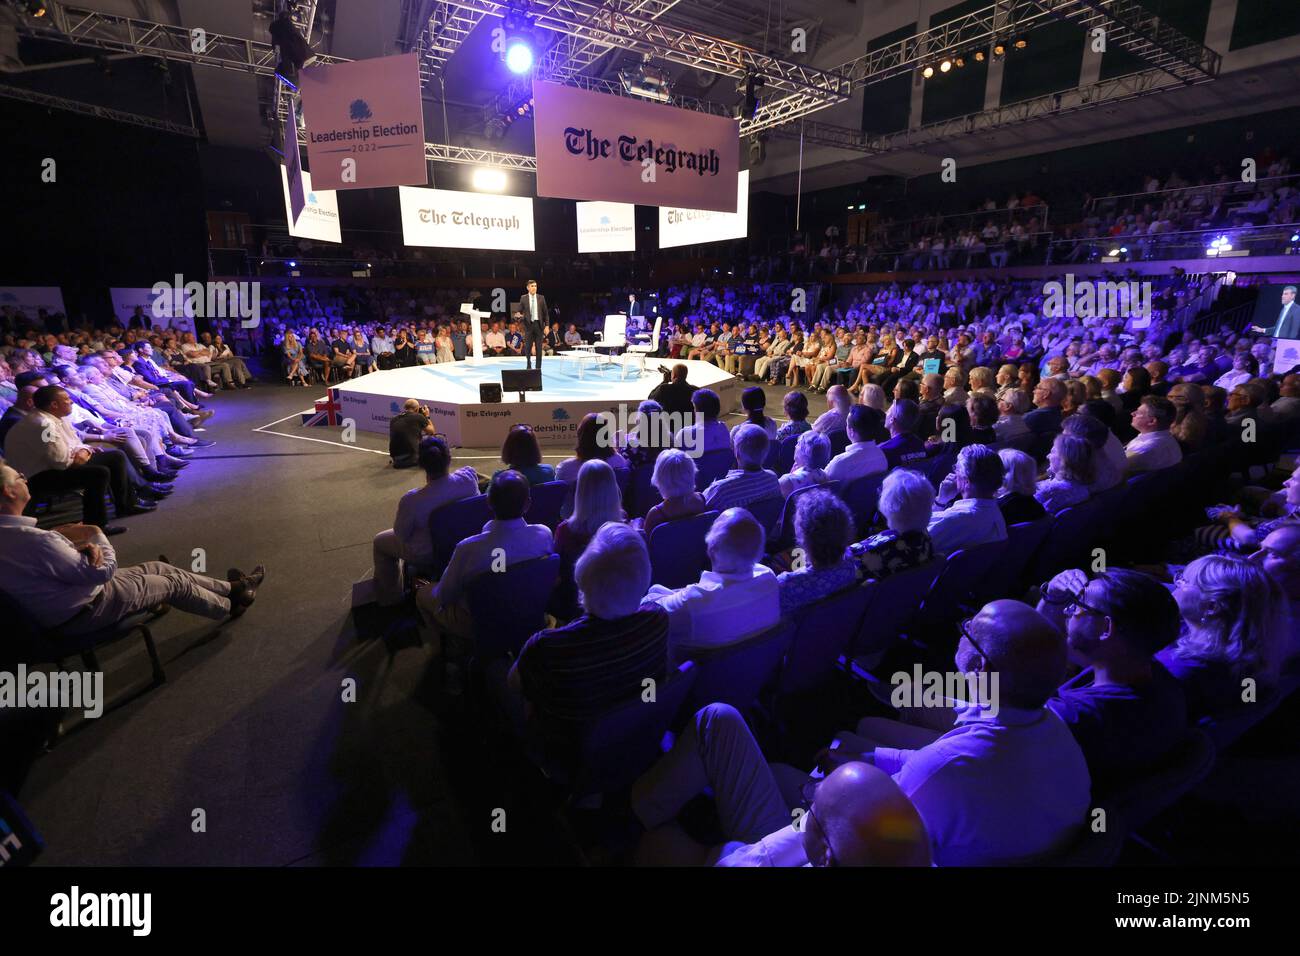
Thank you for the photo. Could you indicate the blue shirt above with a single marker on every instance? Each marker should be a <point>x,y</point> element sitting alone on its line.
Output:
<point>458,345</point>
<point>809,585</point>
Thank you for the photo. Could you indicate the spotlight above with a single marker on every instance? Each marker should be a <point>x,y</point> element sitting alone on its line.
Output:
<point>519,56</point>
<point>519,40</point>
<point>753,84</point>
<point>928,72</point>
<point>488,180</point>
<point>999,49</point>
<point>1020,43</point>
<point>35,8</point>
<point>293,263</point>
<point>1113,252</point>
<point>979,56</point>
<point>959,62</point>
<point>945,66</point>
<point>862,206</point>
<point>294,51</point>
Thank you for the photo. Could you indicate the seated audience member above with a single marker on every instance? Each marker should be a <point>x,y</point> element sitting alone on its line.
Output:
<point>1279,556</point>
<point>1287,406</point>
<point>1154,447</point>
<point>812,453</point>
<point>506,537</point>
<point>822,525</point>
<point>1235,626</point>
<point>596,500</point>
<point>1236,532</point>
<point>1108,465</point>
<point>736,600</point>
<point>405,431</point>
<point>1016,498</point>
<point>707,434</point>
<point>647,437</point>
<point>520,452</point>
<point>408,539</point>
<point>45,447</point>
<point>674,394</point>
<point>952,431</point>
<point>982,411</point>
<point>930,403</point>
<point>69,582</point>
<point>1006,783</point>
<point>857,816</point>
<point>795,405</point>
<point>750,481</point>
<point>1070,474</point>
<point>1046,416</point>
<point>569,675</point>
<point>752,400</point>
<point>863,457</point>
<point>974,517</point>
<point>835,418</point>
<point>903,447</point>
<point>873,396</point>
<point>906,501</point>
<point>1249,402</point>
<point>596,442</point>
<point>674,479</point>
<point>1123,707</point>
<point>1012,406</point>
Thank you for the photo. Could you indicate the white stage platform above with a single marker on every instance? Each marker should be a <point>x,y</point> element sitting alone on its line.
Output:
<point>451,392</point>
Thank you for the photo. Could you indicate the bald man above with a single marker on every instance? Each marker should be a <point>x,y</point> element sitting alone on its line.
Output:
<point>1008,782</point>
<point>856,816</point>
<point>1279,556</point>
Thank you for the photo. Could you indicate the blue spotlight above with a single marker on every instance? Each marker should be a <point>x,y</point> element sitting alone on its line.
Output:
<point>519,56</point>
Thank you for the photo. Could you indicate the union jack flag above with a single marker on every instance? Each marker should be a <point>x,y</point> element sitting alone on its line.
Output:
<point>328,410</point>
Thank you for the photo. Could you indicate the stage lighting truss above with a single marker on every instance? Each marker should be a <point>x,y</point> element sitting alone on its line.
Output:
<point>515,103</point>
<point>647,80</point>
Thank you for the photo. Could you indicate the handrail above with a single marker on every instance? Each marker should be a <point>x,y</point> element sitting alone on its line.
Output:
<point>1180,189</point>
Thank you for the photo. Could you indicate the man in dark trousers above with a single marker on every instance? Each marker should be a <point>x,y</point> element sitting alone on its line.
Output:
<point>533,316</point>
<point>1287,325</point>
<point>674,393</point>
<point>405,430</point>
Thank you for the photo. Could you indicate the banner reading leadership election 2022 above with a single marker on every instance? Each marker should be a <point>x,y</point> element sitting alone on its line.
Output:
<point>319,218</point>
<point>686,227</point>
<point>457,220</point>
<point>619,149</point>
<point>365,123</point>
<point>606,227</point>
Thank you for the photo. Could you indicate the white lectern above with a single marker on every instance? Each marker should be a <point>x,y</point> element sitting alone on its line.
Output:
<point>475,328</point>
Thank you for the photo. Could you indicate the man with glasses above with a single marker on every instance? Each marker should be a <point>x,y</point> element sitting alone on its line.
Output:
<point>1125,710</point>
<point>856,816</point>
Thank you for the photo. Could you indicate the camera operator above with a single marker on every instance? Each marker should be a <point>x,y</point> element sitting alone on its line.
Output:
<point>674,392</point>
<point>405,431</point>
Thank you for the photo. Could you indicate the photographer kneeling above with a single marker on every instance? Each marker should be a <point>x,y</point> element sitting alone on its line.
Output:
<point>405,431</point>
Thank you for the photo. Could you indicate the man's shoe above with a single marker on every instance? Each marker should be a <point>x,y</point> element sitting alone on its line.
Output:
<point>174,463</point>
<point>112,529</point>
<point>234,575</point>
<point>199,393</point>
<point>150,495</point>
<point>242,595</point>
<point>140,507</point>
<point>157,474</point>
<point>202,443</point>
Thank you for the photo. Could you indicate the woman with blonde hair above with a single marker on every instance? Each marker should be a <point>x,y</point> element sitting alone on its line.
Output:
<point>295,359</point>
<point>1190,427</point>
<point>981,378</point>
<point>1007,380</point>
<point>596,500</point>
<point>1071,472</point>
<point>873,396</point>
<point>1235,628</point>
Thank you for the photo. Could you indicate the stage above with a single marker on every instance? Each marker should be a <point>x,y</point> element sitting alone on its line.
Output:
<point>450,390</point>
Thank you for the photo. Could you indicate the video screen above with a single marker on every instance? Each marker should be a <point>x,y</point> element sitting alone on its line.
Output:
<point>1277,313</point>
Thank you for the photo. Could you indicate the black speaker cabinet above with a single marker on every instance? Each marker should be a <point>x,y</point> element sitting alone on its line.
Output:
<point>489,393</point>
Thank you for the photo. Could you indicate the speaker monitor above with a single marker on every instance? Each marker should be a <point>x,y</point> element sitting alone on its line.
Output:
<point>489,393</point>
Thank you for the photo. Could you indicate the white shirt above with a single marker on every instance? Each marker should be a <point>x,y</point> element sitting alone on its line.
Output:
<point>996,789</point>
<point>720,609</point>
<point>702,437</point>
<point>1153,451</point>
<point>829,421</point>
<point>532,307</point>
<point>27,450</point>
<point>858,460</point>
<point>568,469</point>
<point>519,541</point>
<point>965,523</point>
<point>45,574</point>
<point>412,522</point>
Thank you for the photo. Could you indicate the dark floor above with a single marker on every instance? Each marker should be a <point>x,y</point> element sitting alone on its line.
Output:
<point>251,729</point>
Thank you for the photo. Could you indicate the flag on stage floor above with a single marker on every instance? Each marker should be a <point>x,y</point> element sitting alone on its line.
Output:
<point>327,411</point>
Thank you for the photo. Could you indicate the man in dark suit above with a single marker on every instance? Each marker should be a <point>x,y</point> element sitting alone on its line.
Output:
<point>674,393</point>
<point>533,316</point>
<point>139,320</point>
<point>636,318</point>
<point>1287,325</point>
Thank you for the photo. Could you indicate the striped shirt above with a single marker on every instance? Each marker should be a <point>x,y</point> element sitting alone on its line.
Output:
<point>739,487</point>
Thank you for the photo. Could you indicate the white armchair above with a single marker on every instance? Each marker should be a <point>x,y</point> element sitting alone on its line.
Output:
<point>614,338</point>
<point>641,350</point>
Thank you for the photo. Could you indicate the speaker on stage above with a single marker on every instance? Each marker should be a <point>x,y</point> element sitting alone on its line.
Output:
<point>489,393</point>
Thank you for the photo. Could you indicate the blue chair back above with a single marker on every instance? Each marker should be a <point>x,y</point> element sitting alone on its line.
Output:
<point>958,589</point>
<point>1145,798</point>
<point>894,601</point>
<point>768,513</point>
<point>937,468</point>
<point>839,440</point>
<point>451,523</point>
<point>1023,542</point>
<point>785,455</point>
<point>1069,542</point>
<point>822,632</point>
<point>862,495</point>
<point>546,501</point>
<point>712,465</point>
<point>678,553</point>
<point>641,494</point>
<point>509,607</point>
<point>782,537</point>
<point>625,742</point>
<point>736,675</point>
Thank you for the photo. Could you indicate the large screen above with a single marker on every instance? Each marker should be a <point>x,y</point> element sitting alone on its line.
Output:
<point>685,227</point>
<point>606,227</point>
<point>460,220</point>
<point>1277,313</point>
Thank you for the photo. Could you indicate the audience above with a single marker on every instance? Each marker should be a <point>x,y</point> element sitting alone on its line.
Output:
<point>1155,447</point>
<point>906,502</point>
<point>812,453</point>
<point>974,516</point>
<point>822,527</point>
<point>863,457</point>
<point>750,482</point>
<point>674,479</point>
<point>1070,474</point>
<point>594,444</point>
<point>521,453</point>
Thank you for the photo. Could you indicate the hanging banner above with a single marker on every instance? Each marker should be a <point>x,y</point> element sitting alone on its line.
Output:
<point>621,149</point>
<point>293,162</point>
<point>29,298</point>
<point>606,227</point>
<point>365,123</point>
<point>685,227</point>
<point>125,299</point>
<point>319,218</point>
<point>460,220</point>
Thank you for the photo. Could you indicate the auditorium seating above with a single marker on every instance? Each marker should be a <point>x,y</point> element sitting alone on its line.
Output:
<point>641,494</point>
<point>451,523</point>
<point>862,495</point>
<point>510,606</point>
<point>546,502</point>
<point>958,591</point>
<point>678,553</point>
<point>738,674</point>
<point>712,465</point>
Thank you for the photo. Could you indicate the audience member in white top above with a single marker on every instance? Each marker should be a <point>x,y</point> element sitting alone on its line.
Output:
<point>750,481</point>
<point>707,434</point>
<point>408,539</point>
<point>1012,406</point>
<point>863,456</point>
<point>1008,783</point>
<point>812,453</point>
<point>1155,447</point>
<point>1107,472</point>
<point>835,418</point>
<point>974,518</point>
<point>506,540</point>
<point>1070,474</point>
<point>736,600</point>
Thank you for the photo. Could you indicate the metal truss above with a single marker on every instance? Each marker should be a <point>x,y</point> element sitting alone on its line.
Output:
<point>1132,27</point>
<point>97,111</point>
<point>441,34</point>
<point>816,133</point>
<point>571,55</point>
<point>443,153</point>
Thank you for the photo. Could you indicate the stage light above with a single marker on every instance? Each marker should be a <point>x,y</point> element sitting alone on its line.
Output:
<point>750,105</point>
<point>1123,250</point>
<point>927,72</point>
<point>945,66</point>
<point>519,55</point>
<point>1296,237</point>
<point>294,50</point>
<point>959,62</point>
<point>488,180</point>
<point>36,8</point>
<point>979,56</point>
<point>1021,43</point>
<point>862,206</point>
<point>999,49</point>
<point>1113,252</point>
<point>850,207</point>
<point>293,263</point>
